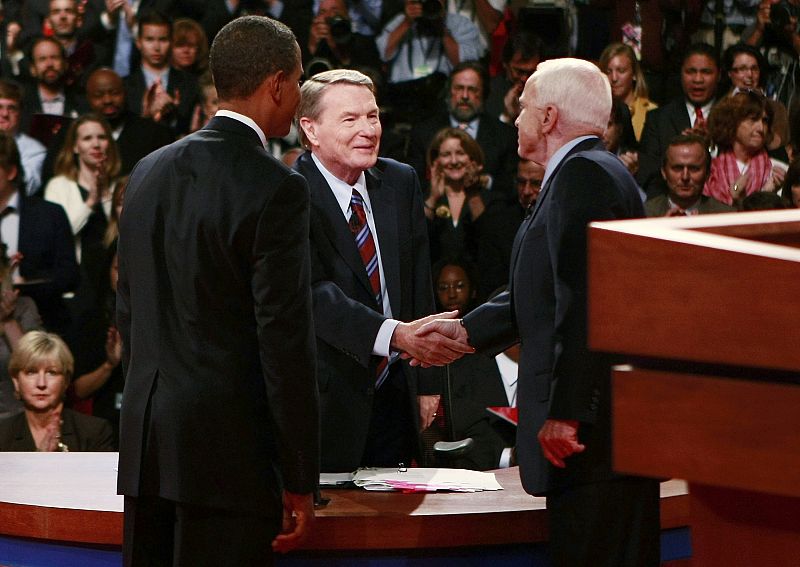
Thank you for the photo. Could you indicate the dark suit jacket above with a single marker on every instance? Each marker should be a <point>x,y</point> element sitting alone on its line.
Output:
<point>659,205</point>
<point>74,106</point>
<point>179,81</point>
<point>214,308</point>
<point>497,140</point>
<point>48,253</point>
<point>346,315</point>
<point>545,309</point>
<point>476,384</point>
<point>79,432</point>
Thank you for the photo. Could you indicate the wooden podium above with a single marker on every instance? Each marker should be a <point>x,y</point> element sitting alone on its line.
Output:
<point>708,310</point>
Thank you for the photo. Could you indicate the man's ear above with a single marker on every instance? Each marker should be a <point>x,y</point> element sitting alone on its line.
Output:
<point>11,174</point>
<point>309,129</point>
<point>276,83</point>
<point>550,118</point>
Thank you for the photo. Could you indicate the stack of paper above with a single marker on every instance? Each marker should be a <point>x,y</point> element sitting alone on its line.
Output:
<point>425,480</point>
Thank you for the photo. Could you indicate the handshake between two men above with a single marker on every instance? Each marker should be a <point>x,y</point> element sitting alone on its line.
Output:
<point>434,340</point>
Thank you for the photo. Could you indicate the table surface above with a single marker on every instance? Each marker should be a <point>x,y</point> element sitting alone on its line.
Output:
<point>72,497</point>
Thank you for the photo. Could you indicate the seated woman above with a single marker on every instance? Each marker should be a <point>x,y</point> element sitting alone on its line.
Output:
<point>619,62</point>
<point>740,127</point>
<point>457,194</point>
<point>41,367</point>
<point>456,285</point>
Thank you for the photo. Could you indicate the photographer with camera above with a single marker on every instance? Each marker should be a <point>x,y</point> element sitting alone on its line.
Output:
<point>426,39</point>
<point>775,34</point>
<point>334,44</point>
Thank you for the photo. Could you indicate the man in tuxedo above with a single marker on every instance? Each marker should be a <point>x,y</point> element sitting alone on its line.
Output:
<point>214,307</point>
<point>700,73</point>
<point>371,270</point>
<point>597,517</point>
<point>467,89</point>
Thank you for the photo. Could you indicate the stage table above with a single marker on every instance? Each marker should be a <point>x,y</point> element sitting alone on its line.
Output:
<point>62,509</point>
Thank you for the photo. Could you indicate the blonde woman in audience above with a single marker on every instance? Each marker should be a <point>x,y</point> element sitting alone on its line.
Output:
<point>627,82</point>
<point>41,367</point>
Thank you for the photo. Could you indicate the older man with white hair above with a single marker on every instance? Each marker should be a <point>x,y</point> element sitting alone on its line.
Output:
<point>597,517</point>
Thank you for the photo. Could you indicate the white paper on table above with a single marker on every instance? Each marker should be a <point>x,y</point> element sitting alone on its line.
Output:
<point>335,479</point>
<point>425,480</point>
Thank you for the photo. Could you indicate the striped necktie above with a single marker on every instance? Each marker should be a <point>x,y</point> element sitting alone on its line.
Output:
<point>369,256</point>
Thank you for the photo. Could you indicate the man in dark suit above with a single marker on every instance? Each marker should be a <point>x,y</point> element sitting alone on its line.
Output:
<point>156,90</point>
<point>214,309</point>
<point>687,114</point>
<point>371,270</point>
<point>37,232</point>
<point>467,90</point>
<point>597,517</point>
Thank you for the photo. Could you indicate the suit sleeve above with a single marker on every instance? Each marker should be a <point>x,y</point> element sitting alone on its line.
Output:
<point>578,372</point>
<point>491,327</point>
<point>282,298</point>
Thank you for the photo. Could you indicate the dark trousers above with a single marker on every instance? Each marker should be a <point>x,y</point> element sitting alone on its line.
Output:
<point>159,532</point>
<point>606,524</point>
<point>392,436</point>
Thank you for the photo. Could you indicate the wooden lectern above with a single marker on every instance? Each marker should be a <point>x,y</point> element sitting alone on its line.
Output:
<point>707,308</point>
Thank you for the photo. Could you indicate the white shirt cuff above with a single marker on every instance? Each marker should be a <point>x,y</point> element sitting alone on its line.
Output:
<point>505,458</point>
<point>383,340</point>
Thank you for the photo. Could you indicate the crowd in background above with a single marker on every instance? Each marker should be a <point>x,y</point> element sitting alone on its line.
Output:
<point>705,117</point>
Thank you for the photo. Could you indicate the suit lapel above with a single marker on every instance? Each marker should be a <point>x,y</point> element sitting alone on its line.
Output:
<point>381,198</point>
<point>334,224</point>
<point>680,118</point>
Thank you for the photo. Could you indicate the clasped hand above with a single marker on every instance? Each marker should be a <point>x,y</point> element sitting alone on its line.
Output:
<point>425,345</point>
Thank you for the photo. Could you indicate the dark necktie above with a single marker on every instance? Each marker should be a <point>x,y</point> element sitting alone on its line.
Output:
<point>369,256</point>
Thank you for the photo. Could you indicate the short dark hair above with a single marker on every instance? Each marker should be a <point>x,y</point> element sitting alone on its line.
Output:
<point>764,201</point>
<point>247,51</point>
<point>11,91</point>
<point>686,140</point>
<point>43,39</point>
<point>9,156</point>
<point>701,48</point>
<point>152,17</point>
<point>527,43</point>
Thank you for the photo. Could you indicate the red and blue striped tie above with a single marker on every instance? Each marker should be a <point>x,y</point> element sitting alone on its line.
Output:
<point>369,256</point>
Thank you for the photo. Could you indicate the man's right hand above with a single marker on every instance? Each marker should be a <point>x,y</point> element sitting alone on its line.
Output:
<point>298,516</point>
<point>429,349</point>
<point>442,332</point>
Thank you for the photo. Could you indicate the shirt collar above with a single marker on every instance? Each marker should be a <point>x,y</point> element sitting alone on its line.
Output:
<point>13,203</point>
<point>244,120</point>
<point>560,154</point>
<point>344,191</point>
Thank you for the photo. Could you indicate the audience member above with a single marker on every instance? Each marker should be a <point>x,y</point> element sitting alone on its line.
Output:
<point>729,17</point>
<point>740,126</point>
<point>48,94</point>
<point>619,62</point>
<point>619,137</point>
<point>685,170</point>
<point>699,78</point>
<point>41,367</point>
<point>83,54</point>
<point>521,54</point>
<point>791,185</point>
<point>763,201</point>
<point>189,47</point>
<point>455,284</point>
<point>156,90</point>
<point>37,237</point>
<point>779,42</point>
<point>529,182</point>
<point>18,315</point>
<point>35,20</point>
<point>485,14</point>
<point>32,152</point>
<point>334,44</point>
<point>466,93</point>
<point>418,43</point>
<point>746,70</point>
<point>371,268</point>
<point>86,171</point>
<point>11,54</point>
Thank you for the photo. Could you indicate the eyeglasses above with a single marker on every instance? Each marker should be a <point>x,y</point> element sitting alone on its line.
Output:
<point>744,68</point>
<point>457,286</point>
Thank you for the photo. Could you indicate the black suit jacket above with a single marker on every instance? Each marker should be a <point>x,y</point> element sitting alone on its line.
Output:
<point>660,127</point>
<point>545,309</point>
<point>497,140</point>
<point>214,308</point>
<point>74,106</point>
<point>346,315</point>
<point>79,432</point>
<point>48,253</point>
<point>178,81</point>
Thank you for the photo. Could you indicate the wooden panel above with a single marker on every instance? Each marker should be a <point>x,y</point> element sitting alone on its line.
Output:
<point>731,433</point>
<point>661,298</point>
